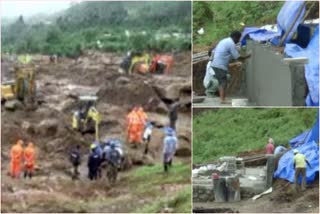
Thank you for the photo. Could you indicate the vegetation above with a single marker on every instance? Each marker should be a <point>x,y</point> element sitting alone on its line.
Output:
<point>220,18</point>
<point>221,132</point>
<point>145,180</point>
<point>107,26</point>
<point>181,202</point>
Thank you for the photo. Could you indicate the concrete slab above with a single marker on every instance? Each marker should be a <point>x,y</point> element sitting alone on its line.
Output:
<point>210,102</point>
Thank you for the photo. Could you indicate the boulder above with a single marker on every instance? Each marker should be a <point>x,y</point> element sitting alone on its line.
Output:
<point>13,105</point>
<point>28,127</point>
<point>48,127</point>
<point>122,81</point>
<point>138,158</point>
<point>183,150</point>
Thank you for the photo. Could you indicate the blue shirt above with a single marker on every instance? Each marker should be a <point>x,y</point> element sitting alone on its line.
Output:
<point>223,53</point>
<point>279,149</point>
<point>170,144</point>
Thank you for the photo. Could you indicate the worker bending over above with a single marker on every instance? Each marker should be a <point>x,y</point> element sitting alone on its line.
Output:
<point>223,53</point>
<point>300,162</point>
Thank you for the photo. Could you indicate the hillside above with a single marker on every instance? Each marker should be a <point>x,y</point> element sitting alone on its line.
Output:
<point>118,26</point>
<point>218,19</point>
<point>221,132</point>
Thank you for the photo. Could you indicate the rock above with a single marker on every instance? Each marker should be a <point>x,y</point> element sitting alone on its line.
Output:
<point>27,126</point>
<point>13,105</point>
<point>122,81</point>
<point>52,145</point>
<point>138,158</point>
<point>106,60</point>
<point>148,160</point>
<point>183,150</point>
<point>48,127</point>
<point>161,108</point>
<point>168,210</point>
<point>170,92</point>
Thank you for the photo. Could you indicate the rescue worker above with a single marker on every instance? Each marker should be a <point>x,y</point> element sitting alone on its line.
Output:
<point>94,161</point>
<point>147,136</point>
<point>98,150</point>
<point>16,154</point>
<point>134,126</point>
<point>117,145</point>
<point>112,155</point>
<point>173,113</point>
<point>142,115</point>
<point>29,160</point>
<point>75,159</point>
<point>169,147</point>
<point>270,146</point>
<point>300,169</point>
<point>143,120</point>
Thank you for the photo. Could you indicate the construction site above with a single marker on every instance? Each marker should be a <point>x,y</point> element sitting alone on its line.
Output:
<point>244,180</point>
<point>40,95</point>
<point>283,68</point>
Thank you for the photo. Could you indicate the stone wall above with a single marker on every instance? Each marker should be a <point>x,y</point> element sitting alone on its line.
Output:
<point>202,193</point>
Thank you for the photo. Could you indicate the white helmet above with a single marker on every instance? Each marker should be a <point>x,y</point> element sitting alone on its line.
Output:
<point>295,151</point>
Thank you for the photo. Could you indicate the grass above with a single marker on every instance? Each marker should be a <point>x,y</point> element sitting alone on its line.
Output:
<point>220,18</point>
<point>146,177</point>
<point>181,203</point>
<point>223,132</point>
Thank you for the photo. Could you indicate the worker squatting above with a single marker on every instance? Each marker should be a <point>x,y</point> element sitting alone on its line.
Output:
<point>107,154</point>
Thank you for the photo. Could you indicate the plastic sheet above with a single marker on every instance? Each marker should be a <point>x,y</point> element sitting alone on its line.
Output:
<point>285,18</point>
<point>312,68</point>
<point>310,148</point>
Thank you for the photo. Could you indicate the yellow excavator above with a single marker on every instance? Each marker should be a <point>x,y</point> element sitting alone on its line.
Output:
<point>23,87</point>
<point>86,117</point>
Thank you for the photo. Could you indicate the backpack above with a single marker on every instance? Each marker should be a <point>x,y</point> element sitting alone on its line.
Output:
<point>114,156</point>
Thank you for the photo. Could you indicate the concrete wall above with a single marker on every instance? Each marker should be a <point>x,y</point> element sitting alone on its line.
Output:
<point>270,82</point>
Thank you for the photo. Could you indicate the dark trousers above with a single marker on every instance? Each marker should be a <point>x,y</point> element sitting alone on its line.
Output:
<point>28,173</point>
<point>166,165</point>
<point>76,172</point>
<point>302,172</point>
<point>93,174</point>
<point>173,123</point>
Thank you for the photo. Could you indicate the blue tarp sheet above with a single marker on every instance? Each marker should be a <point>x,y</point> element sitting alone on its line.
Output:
<point>285,17</point>
<point>310,148</point>
<point>312,68</point>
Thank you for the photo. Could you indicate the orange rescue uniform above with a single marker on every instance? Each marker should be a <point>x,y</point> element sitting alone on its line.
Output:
<point>29,158</point>
<point>134,126</point>
<point>143,119</point>
<point>16,158</point>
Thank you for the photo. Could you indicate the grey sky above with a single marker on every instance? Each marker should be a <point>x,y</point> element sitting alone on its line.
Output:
<point>27,8</point>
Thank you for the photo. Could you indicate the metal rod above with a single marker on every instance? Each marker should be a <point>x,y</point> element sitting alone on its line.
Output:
<point>292,24</point>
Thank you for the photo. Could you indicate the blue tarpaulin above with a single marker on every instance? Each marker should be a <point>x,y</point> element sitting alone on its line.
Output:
<point>309,146</point>
<point>312,68</point>
<point>285,18</point>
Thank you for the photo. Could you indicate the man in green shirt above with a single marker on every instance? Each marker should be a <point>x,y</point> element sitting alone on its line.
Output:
<point>300,162</point>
